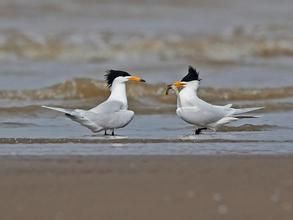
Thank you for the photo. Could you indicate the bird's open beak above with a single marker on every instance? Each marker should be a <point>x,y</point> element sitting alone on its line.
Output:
<point>177,85</point>
<point>136,79</point>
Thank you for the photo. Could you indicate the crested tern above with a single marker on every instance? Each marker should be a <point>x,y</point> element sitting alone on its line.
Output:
<point>200,113</point>
<point>110,114</point>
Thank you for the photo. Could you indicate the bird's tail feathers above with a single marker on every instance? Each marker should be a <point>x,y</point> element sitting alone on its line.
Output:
<point>245,110</point>
<point>247,116</point>
<point>66,111</point>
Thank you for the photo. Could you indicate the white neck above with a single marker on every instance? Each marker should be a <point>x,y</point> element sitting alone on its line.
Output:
<point>118,92</point>
<point>187,96</point>
<point>178,99</point>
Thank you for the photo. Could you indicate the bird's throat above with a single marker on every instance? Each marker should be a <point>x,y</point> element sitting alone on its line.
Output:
<point>118,93</point>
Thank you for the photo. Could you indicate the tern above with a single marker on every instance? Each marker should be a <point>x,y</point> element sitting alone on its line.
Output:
<point>200,113</point>
<point>110,114</point>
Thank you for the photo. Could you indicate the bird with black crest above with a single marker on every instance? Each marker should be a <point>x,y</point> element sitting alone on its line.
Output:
<point>111,114</point>
<point>198,112</point>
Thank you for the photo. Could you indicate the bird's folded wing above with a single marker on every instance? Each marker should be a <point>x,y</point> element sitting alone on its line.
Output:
<point>206,114</point>
<point>193,109</point>
<point>108,107</point>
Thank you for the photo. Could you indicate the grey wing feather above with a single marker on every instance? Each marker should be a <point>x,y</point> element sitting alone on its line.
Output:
<point>108,107</point>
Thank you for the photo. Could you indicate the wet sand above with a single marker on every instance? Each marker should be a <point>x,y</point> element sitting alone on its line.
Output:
<point>146,187</point>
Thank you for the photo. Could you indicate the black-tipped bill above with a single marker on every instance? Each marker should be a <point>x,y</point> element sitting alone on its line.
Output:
<point>136,79</point>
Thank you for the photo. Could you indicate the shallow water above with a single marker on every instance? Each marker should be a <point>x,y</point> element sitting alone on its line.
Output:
<point>56,53</point>
<point>147,134</point>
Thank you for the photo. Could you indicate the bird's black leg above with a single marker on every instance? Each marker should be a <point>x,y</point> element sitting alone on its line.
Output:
<point>105,132</point>
<point>199,130</point>
<point>113,132</point>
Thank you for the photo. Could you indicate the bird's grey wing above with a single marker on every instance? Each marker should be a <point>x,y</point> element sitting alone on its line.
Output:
<point>213,112</point>
<point>111,120</point>
<point>109,107</point>
<point>200,115</point>
<point>85,118</point>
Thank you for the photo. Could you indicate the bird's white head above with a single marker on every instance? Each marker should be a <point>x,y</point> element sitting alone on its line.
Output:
<point>118,76</point>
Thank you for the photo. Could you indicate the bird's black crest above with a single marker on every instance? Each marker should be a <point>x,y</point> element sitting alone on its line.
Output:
<point>191,75</point>
<point>112,74</point>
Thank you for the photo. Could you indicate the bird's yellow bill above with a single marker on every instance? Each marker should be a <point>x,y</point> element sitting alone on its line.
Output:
<point>179,84</point>
<point>136,78</point>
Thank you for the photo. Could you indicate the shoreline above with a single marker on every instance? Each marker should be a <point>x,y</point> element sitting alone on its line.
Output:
<point>146,187</point>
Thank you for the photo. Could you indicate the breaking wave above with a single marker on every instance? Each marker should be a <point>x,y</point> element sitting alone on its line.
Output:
<point>83,88</point>
<point>238,45</point>
<point>143,98</point>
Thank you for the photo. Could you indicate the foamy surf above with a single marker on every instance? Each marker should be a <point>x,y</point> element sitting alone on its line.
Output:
<point>85,93</point>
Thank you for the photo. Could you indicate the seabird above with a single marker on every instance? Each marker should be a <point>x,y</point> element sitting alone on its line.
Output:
<point>110,114</point>
<point>198,112</point>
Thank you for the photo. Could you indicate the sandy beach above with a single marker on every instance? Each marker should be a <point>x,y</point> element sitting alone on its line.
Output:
<point>146,187</point>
